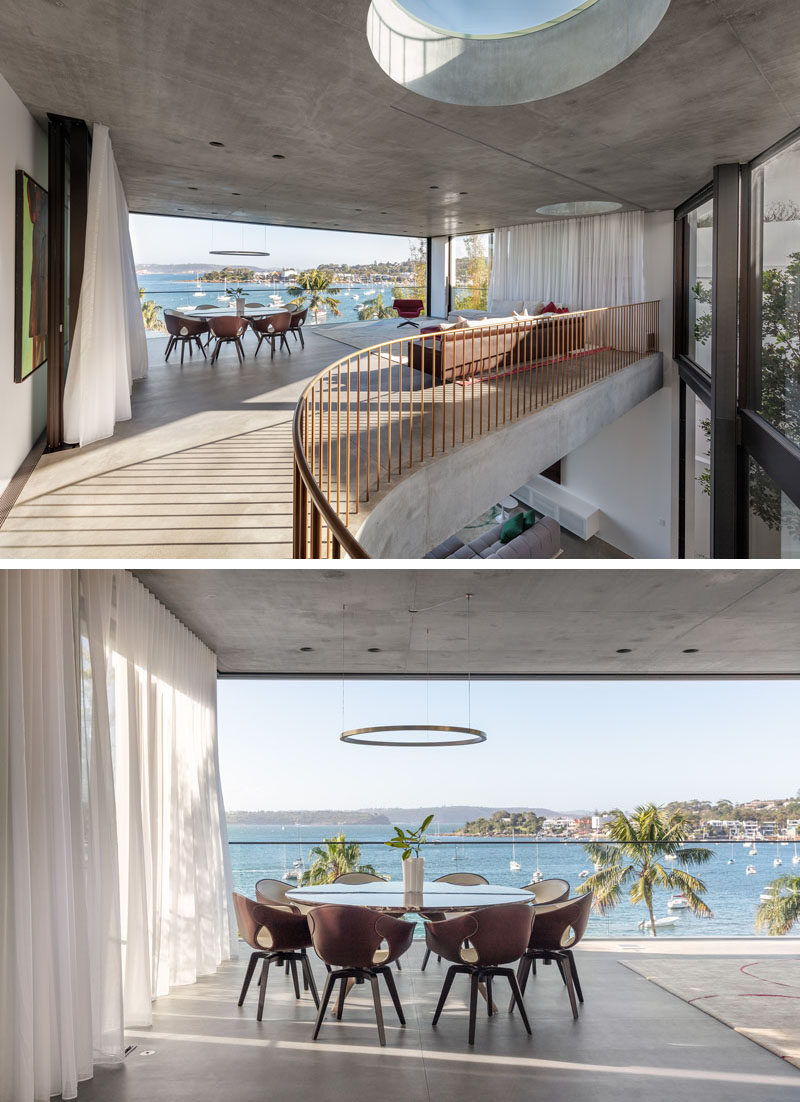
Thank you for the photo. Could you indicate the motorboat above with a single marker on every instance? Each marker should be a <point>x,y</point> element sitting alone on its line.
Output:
<point>678,902</point>
<point>776,862</point>
<point>750,870</point>
<point>584,873</point>
<point>753,851</point>
<point>659,922</point>
<point>767,894</point>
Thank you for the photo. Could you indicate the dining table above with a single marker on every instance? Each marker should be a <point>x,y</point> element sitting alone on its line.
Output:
<point>229,311</point>
<point>389,896</point>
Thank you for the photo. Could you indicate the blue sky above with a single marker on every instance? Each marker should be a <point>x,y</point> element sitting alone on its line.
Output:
<point>478,17</point>
<point>567,746</point>
<point>162,240</point>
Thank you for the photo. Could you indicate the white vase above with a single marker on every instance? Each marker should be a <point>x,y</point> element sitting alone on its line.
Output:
<point>413,875</point>
<point>239,306</point>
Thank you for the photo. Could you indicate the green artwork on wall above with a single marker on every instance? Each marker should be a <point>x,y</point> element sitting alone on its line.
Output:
<point>30,313</point>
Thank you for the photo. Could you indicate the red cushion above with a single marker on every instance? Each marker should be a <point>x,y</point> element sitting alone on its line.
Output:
<point>550,308</point>
<point>431,329</point>
<point>563,310</point>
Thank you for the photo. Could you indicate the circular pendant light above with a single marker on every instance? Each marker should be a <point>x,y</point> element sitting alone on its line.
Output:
<point>417,734</point>
<point>238,252</point>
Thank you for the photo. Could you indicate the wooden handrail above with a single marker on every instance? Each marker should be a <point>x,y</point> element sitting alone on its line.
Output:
<point>377,413</point>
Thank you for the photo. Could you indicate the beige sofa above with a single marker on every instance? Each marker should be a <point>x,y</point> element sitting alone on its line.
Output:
<point>542,541</point>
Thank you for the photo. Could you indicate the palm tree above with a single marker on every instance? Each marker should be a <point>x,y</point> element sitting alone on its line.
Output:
<point>780,912</point>
<point>315,288</point>
<point>150,312</point>
<point>631,859</point>
<point>375,308</point>
<point>335,856</point>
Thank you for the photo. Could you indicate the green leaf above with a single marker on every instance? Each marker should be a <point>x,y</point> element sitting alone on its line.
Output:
<point>426,823</point>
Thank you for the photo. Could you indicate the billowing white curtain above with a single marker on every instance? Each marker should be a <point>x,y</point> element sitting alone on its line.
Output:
<point>109,346</point>
<point>60,975</point>
<point>114,870</point>
<point>583,263</point>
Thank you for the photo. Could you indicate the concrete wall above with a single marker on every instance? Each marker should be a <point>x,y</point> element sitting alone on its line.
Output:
<point>658,259</point>
<point>440,497</point>
<point>22,405</point>
<point>438,260</point>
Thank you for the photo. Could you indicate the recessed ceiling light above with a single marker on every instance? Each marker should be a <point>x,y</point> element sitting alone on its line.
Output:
<point>373,650</point>
<point>236,193</point>
<point>691,650</point>
<point>220,144</point>
<point>384,212</point>
<point>190,188</point>
<point>306,648</point>
<point>434,187</point>
<point>278,157</point>
<point>358,210</point>
<point>623,650</point>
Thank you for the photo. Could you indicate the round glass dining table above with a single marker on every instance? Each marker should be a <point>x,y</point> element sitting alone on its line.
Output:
<point>388,895</point>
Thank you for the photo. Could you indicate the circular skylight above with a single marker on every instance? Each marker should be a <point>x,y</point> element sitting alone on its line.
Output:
<point>476,18</point>
<point>571,210</point>
<point>481,54</point>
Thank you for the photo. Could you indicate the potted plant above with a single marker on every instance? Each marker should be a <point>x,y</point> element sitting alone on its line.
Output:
<point>410,842</point>
<point>238,294</point>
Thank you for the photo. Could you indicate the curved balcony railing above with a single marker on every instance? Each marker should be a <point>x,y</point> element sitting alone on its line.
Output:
<point>378,413</point>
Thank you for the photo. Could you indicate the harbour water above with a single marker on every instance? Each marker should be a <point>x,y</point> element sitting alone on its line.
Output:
<point>180,289</point>
<point>732,895</point>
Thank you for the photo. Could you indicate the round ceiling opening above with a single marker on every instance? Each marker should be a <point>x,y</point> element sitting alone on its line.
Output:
<point>479,54</point>
<point>572,210</point>
<point>477,19</point>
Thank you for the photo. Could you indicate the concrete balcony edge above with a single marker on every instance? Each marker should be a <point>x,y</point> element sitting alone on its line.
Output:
<point>441,496</point>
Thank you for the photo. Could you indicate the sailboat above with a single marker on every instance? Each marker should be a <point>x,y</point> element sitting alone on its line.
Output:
<point>537,876</point>
<point>776,861</point>
<point>514,864</point>
<point>224,294</point>
<point>796,858</point>
<point>731,859</point>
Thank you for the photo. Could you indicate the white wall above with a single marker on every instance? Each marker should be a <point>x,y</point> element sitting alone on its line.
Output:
<point>437,307</point>
<point>626,471</point>
<point>22,405</point>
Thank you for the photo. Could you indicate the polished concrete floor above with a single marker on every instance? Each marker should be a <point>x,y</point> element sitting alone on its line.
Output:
<point>633,1042</point>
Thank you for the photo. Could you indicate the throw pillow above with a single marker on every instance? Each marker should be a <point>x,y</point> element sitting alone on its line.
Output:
<point>512,528</point>
<point>529,519</point>
<point>549,308</point>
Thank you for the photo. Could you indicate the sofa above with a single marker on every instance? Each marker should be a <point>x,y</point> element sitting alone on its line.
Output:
<point>501,308</point>
<point>542,541</point>
<point>476,348</point>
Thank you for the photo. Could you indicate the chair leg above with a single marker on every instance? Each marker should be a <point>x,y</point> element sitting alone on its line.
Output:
<point>376,998</point>
<point>387,975</point>
<point>239,350</point>
<point>263,987</point>
<point>302,339</point>
<point>183,348</point>
<point>399,966</point>
<point>473,1006</point>
<point>516,995</point>
<point>571,958</point>
<point>425,959</point>
<point>293,967</point>
<point>309,975</point>
<point>567,973</point>
<point>340,1001</point>
<point>323,1006</point>
<point>272,347</point>
<point>489,995</point>
<point>200,346</point>
<point>448,983</point>
<point>522,978</point>
<point>170,346</point>
<point>251,967</point>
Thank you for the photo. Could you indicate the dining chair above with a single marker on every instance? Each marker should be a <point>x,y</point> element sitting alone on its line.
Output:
<point>228,329</point>
<point>363,878</point>
<point>466,878</point>
<point>277,935</point>
<point>272,892</point>
<point>298,321</point>
<point>348,940</point>
<point>183,331</point>
<point>271,328</point>
<point>497,936</point>
<point>548,891</point>
<point>557,929</point>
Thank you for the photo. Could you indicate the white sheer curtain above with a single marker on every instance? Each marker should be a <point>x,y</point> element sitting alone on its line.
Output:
<point>109,347</point>
<point>580,262</point>
<point>60,976</point>
<point>114,870</point>
<point>175,879</point>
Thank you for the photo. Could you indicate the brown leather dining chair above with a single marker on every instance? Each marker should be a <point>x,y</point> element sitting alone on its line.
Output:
<point>296,327</point>
<point>557,929</point>
<point>348,940</point>
<point>497,937</point>
<point>271,328</point>
<point>277,935</point>
<point>228,329</point>
<point>466,878</point>
<point>548,891</point>
<point>363,878</point>
<point>183,331</point>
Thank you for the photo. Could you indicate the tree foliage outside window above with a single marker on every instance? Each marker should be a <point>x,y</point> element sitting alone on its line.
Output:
<point>472,275</point>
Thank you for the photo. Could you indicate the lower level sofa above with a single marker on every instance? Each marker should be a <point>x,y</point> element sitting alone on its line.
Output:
<point>542,541</point>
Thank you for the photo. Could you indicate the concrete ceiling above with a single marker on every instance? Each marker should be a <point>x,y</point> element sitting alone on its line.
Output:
<point>718,81</point>
<point>523,623</point>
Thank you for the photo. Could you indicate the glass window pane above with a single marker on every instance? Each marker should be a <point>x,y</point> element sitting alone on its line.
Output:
<point>776,218</point>
<point>470,268</point>
<point>774,518</point>
<point>698,309</point>
<point>698,478</point>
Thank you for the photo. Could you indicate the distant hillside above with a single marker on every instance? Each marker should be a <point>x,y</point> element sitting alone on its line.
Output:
<point>378,816</point>
<point>180,269</point>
